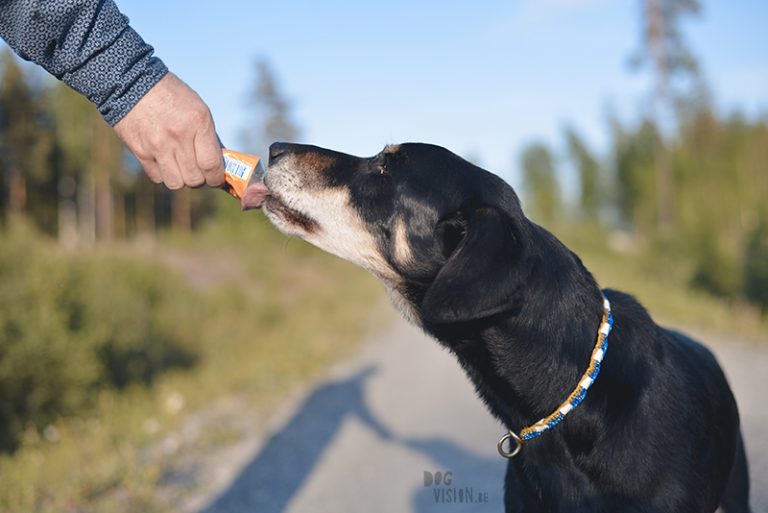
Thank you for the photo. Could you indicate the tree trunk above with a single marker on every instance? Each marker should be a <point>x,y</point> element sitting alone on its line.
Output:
<point>145,208</point>
<point>102,164</point>
<point>656,31</point>
<point>664,185</point>
<point>104,208</point>
<point>120,230</point>
<point>67,218</point>
<point>181,210</point>
<point>17,194</point>
<point>86,212</point>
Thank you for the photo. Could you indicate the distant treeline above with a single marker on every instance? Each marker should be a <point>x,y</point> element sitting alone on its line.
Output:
<point>696,190</point>
<point>687,185</point>
<point>63,168</point>
<point>713,218</point>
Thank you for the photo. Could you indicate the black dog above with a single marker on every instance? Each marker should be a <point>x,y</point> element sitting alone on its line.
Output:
<point>658,430</point>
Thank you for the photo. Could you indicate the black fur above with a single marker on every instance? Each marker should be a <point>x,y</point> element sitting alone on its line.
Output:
<point>659,429</point>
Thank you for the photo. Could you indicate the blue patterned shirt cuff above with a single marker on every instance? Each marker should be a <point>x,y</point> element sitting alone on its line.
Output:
<point>119,76</point>
<point>89,45</point>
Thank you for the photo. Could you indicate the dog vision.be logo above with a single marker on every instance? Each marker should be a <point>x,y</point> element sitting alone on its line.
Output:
<point>446,491</point>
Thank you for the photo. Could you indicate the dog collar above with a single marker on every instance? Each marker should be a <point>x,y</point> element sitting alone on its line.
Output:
<point>573,400</point>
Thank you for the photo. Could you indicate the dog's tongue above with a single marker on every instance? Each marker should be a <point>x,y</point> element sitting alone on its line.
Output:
<point>254,195</point>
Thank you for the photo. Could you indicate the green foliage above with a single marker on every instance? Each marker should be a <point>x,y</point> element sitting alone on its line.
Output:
<point>662,284</point>
<point>542,191</point>
<point>260,312</point>
<point>21,123</point>
<point>102,346</point>
<point>756,267</point>
<point>65,169</point>
<point>26,147</point>
<point>74,117</point>
<point>720,170</point>
<point>71,325</point>
<point>715,270</point>
<point>140,320</point>
<point>45,370</point>
<point>588,168</point>
<point>633,154</point>
<point>719,184</point>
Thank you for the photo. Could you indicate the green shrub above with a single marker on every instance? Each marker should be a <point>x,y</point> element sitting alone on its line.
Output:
<point>71,325</point>
<point>756,267</point>
<point>44,369</point>
<point>138,318</point>
<point>715,272</point>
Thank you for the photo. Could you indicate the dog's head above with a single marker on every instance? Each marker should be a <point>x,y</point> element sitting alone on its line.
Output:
<point>446,237</point>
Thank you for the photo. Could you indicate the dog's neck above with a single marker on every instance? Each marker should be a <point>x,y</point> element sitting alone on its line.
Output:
<point>526,362</point>
<point>523,372</point>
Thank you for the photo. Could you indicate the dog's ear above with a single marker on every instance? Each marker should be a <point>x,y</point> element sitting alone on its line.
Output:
<point>483,274</point>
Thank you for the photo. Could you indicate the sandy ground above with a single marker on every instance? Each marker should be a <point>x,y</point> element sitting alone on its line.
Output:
<point>383,433</point>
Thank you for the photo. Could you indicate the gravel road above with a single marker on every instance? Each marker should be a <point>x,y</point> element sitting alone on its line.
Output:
<point>396,434</point>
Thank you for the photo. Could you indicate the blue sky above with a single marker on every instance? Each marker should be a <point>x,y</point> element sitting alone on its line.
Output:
<point>481,78</point>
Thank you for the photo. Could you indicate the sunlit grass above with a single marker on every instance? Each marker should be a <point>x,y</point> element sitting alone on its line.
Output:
<point>662,284</point>
<point>276,313</point>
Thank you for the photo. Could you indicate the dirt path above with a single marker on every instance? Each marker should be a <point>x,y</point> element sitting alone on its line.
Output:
<point>746,365</point>
<point>377,434</point>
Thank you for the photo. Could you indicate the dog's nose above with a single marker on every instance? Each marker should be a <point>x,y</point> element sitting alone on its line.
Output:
<point>277,149</point>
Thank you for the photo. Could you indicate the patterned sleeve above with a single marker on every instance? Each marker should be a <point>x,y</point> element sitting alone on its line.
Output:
<point>89,45</point>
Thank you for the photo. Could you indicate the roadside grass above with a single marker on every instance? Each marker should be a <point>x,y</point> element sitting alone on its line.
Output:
<point>275,312</point>
<point>661,283</point>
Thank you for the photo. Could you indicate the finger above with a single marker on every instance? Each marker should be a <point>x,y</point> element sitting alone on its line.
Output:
<point>170,172</point>
<point>152,169</point>
<point>190,173</point>
<point>208,155</point>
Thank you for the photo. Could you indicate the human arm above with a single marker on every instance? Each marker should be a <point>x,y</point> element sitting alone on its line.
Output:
<point>89,45</point>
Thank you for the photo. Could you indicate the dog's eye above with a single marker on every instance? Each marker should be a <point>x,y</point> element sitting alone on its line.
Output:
<point>382,164</point>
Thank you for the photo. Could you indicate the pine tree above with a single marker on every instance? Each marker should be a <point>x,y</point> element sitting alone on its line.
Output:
<point>91,160</point>
<point>633,173</point>
<point>271,112</point>
<point>755,274</point>
<point>541,187</point>
<point>664,50</point>
<point>25,144</point>
<point>588,169</point>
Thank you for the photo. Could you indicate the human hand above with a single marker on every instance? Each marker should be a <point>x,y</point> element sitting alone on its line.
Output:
<point>172,134</point>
